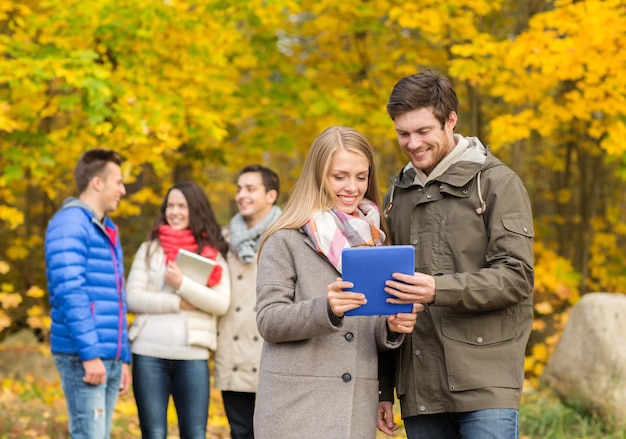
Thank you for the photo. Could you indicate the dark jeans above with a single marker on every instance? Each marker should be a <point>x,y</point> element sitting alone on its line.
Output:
<point>155,379</point>
<point>239,407</point>
<point>480,424</point>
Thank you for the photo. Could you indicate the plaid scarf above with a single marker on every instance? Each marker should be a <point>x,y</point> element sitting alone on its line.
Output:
<point>332,230</point>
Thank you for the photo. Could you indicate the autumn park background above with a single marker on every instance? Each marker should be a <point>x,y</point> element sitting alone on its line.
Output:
<point>197,89</point>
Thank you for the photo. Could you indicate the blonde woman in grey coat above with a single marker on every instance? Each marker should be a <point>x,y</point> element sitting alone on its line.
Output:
<point>318,372</point>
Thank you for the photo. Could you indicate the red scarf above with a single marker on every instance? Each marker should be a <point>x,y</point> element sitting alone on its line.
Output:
<point>171,240</point>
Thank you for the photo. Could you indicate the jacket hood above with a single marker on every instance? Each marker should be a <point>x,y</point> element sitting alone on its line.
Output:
<point>71,202</point>
<point>77,202</point>
<point>477,149</point>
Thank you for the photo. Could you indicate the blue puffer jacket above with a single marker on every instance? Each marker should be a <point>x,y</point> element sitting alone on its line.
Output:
<point>84,266</point>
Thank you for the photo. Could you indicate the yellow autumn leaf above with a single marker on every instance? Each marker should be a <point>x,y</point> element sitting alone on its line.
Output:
<point>35,292</point>
<point>35,311</point>
<point>17,252</point>
<point>103,128</point>
<point>544,308</point>
<point>10,300</point>
<point>147,195</point>
<point>540,352</point>
<point>14,217</point>
<point>563,292</point>
<point>4,267</point>
<point>5,321</point>
<point>529,363</point>
<point>539,325</point>
<point>8,124</point>
<point>37,323</point>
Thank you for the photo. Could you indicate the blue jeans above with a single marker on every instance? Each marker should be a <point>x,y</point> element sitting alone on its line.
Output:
<point>155,379</point>
<point>89,408</point>
<point>480,424</point>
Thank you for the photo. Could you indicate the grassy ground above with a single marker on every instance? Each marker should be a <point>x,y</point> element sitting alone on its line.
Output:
<point>542,416</point>
<point>34,408</point>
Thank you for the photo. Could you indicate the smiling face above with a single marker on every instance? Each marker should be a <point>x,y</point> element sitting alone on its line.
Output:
<point>253,200</point>
<point>422,139</point>
<point>177,210</point>
<point>347,179</point>
<point>110,187</point>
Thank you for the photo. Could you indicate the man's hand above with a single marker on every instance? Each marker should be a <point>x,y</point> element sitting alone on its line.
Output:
<point>126,379</point>
<point>95,372</point>
<point>385,423</point>
<point>416,288</point>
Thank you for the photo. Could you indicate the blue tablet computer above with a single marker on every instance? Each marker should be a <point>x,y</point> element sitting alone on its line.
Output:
<point>368,268</point>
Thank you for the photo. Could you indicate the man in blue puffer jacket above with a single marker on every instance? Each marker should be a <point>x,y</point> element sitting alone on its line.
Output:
<point>84,266</point>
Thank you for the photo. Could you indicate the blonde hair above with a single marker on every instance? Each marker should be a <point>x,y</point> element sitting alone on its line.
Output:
<point>311,192</point>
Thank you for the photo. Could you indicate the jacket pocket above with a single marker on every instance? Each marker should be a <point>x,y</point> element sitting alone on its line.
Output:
<point>201,330</point>
<point>517,225</point>
<point>482,351</point>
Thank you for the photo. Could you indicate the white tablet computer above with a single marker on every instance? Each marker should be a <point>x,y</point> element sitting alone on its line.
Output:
<point>194,266</point>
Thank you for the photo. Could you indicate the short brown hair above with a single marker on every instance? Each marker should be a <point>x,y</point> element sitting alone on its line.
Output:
<point>426,89</point>
<point>270,178</point>
<point>91,163</point>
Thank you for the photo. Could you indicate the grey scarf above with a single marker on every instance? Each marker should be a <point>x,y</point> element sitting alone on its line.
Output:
<point>244,241</point>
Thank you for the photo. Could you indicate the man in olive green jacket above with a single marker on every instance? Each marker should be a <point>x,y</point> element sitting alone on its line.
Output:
<point>460,373</point>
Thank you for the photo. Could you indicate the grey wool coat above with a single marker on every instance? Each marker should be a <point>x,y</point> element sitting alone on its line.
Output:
<point>318,377</point>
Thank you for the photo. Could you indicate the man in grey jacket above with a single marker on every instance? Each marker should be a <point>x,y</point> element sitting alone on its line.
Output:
<point>460,373</point>
<point>239,343</point>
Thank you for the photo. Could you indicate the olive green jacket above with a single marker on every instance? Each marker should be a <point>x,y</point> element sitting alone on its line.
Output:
<point>467,350</point>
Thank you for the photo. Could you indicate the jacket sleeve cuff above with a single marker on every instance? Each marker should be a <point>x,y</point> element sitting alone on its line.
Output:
<point>386,375</point>
<point>336,321</point>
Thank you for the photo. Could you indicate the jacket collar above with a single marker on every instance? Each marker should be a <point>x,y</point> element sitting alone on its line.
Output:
<point>77,202</point>
<point>458,174</point>
<point>106,222</point>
